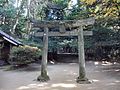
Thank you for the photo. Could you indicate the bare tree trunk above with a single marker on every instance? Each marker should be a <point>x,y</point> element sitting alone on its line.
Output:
<point>44,77</point>
<point>82,74</point>
<point>16,22</point>
<point>17,16</point>
<point>28,27</point>
<point>15,25</point>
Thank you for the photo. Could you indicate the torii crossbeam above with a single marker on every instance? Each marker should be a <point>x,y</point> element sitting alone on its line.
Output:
<point>63,24</point>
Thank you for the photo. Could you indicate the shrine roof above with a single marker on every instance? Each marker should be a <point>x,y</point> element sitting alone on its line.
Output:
<point>9,38</point>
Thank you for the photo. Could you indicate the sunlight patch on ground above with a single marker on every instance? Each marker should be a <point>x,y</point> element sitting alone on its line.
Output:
<point>42,84</point>
<point>91,88</point>
<point>105,63</point>
<point>72,73</point>
<point>117,81</point>
<point>95,80</point>
<point>72,63</point>
<point>69,80</point>
<point>33,86</point>
<point>23,87</point>
<point>96,63</point>
<point>115,63</point>
<point>52,62</point>
<point>117,70</point>
<point>64,85</point>
<point>65,70</point>
<point>111,70</point>
<point>109,84</point>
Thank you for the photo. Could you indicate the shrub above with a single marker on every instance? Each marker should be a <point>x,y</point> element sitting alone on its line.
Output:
<point>24,55</point>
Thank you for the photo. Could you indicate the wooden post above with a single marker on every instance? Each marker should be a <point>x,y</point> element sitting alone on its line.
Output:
<point>82,74</point>
<point>44,76</point>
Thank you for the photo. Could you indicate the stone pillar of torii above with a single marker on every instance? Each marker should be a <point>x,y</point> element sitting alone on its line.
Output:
<point>62,25</point>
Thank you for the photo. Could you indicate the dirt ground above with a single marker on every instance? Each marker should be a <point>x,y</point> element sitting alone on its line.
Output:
<point>104,76</point>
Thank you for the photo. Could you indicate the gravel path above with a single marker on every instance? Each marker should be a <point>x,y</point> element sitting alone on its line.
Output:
<point>105,76</point>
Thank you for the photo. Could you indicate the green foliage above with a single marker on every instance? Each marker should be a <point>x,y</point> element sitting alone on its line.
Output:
<point>33,42</point>
<point>24,55</point>
<point>8,15</point>
<point>106,27</point>
<point>63,3</point>
<point>20,31</point>
<point>78,12</point>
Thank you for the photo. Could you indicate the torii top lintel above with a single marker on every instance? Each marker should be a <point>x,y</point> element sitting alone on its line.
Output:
<point>66,23</point>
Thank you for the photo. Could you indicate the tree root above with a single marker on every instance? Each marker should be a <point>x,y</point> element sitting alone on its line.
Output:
<point>43,78</point>
<point>83,81</point>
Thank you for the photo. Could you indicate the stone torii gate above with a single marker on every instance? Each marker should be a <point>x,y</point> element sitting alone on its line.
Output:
<point>62,25</point>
